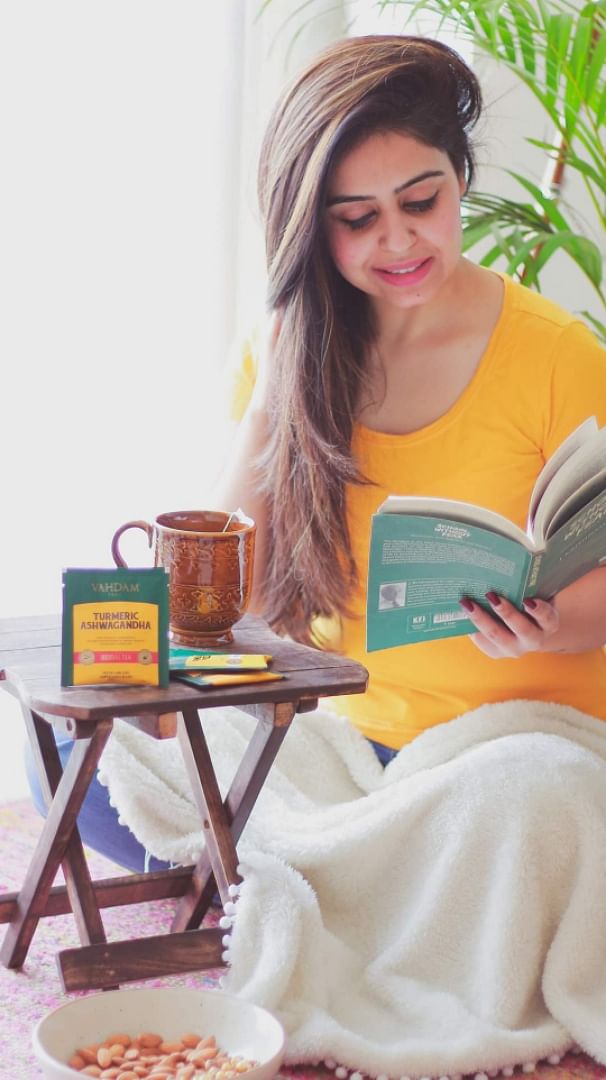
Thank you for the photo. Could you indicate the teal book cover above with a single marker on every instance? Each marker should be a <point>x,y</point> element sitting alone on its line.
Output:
<point>420,567</point>
<point>426,552</point>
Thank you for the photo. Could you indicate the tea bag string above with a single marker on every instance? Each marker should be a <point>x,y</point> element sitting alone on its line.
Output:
<point>233,514</point>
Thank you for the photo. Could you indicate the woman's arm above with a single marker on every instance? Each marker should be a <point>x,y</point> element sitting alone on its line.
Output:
<point>238,485</point>
<point>574,621</point>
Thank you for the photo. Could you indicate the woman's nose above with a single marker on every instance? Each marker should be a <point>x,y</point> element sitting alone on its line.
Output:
<point>398,232</point>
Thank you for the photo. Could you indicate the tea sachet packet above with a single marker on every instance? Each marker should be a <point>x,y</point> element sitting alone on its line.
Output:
<point>115,627</point>
<point>214,668</point>
<point>224,679</point>
<point>198,660</point>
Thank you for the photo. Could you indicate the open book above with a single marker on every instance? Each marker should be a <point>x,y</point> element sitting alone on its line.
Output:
<point>426,553</point>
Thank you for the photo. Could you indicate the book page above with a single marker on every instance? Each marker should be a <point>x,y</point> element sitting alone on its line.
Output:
<point>581,498</point>
<point>571,444</point>
<point>463,512</point>
<point>587,461</point>
<point>576,548</point>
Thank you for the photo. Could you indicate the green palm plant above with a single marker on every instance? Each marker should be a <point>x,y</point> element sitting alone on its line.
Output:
<point>558,50</point>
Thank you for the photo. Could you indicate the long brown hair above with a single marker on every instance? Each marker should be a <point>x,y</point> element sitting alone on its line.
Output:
<point>354,89</point>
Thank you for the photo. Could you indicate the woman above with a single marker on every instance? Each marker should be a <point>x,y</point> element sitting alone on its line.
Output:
<point>398,366</point>
<point>445,915</point>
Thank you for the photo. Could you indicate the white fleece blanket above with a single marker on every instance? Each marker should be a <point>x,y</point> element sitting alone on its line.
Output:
<point>445,915</point>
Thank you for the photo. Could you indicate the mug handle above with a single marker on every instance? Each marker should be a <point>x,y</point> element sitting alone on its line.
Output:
<point>147,528</point>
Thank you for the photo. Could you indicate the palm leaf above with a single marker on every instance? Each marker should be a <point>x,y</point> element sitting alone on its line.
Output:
<point>527,238</point>
<point>552,40</point>
<point>507,39</point>
<point>526,45</point>
<point>558,32</point>
<point>600,113</point>
<point>597,176</point>
<point>575,90</point>
<point>594,82</point>
<point>549,207</point>
<point>481,205</point>
<point>599,327</point>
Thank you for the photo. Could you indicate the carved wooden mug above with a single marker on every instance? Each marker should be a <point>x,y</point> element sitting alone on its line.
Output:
<point>209,555</point>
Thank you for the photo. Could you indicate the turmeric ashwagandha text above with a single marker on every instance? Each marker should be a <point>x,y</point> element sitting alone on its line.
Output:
<point>115,627</point>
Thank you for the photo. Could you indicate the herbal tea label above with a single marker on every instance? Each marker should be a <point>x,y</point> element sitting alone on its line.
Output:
<point>181,659</point>
<point>115,627</point>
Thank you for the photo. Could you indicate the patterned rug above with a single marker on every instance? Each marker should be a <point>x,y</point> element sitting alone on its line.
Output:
<point>26,995</point>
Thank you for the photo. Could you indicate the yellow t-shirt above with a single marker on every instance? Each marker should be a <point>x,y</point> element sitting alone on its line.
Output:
<point>541,375</point>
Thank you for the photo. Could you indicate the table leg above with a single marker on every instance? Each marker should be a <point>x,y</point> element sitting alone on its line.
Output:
<point>217,835</point>
<point>187,948</point>
<point>78,882</point>
<point>273,723</point>
<point>52,846</point>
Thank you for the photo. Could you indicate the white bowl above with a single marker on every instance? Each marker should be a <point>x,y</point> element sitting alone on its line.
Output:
<point>239,1027</point>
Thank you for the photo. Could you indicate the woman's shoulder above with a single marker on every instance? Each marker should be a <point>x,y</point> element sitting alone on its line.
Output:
<point>536,329</point>
<point>530,308</point>
<point>243,365</point>
<point>249,361</point>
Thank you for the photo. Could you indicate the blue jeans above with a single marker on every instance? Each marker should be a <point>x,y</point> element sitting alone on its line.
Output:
<point>97,821</point>
<point>384,753</point>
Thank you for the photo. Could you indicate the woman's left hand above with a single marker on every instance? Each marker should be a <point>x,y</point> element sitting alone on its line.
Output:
<point>512,633</point>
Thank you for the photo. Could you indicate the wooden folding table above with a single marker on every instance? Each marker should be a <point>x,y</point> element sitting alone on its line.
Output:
<point>29,669</point>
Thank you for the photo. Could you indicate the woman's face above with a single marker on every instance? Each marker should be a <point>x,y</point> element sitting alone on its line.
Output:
<point>393,219</point>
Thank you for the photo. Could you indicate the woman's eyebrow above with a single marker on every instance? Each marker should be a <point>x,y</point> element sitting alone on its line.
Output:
<point>366,198</point>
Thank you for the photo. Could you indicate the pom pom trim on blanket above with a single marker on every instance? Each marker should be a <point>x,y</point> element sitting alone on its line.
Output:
<point>441,917</point>
<point>341,1072</point>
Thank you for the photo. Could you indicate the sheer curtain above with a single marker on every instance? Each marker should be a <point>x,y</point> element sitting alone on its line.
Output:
<point>129,245</point>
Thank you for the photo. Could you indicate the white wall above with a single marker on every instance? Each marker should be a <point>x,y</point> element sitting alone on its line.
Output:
<point>117,219</point>
<point>123,237</point>
<point>129,133</point>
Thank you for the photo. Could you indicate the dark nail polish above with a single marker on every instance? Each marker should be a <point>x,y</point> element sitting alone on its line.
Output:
<point>466,603</point>
<point>530,604</point>
<point>493,599</point>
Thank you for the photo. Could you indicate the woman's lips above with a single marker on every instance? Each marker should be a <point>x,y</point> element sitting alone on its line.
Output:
<point>403,275</point>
